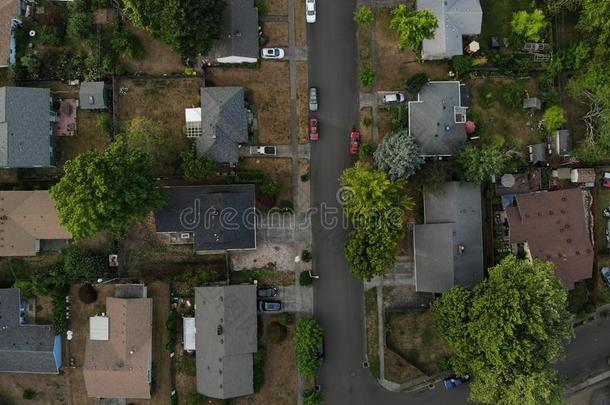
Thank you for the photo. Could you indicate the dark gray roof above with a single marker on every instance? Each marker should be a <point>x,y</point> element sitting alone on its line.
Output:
<point>538,153</point>
<point>25,127</point>
<point>130,291</point>
<point>561,142</point>
<point>224,123</point>
<point>432,120</point>
<point>221,217</point>
<point>23,348</point>
<point>449,246</point>
<point>226,337</point>
<point>92,96</point>
<point>239,31</point>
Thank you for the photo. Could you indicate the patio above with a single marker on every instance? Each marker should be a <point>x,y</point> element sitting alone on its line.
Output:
<point>66,117</point>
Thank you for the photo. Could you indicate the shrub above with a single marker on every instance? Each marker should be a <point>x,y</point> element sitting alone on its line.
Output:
<point>367,121</point>
<point>366,150</point>
<point>284,319</point>
<point>307,340</point>
<point>269,188</point>
<point>306,256</point>
<point>511,95</point>
<point>276,332</point>
<point>259,368</point>
<point>87,294</point>
<point>461,63</point>
<point>364,15</point>
<point>197,168</point>
<point>415,83</point>
<point>261,5</point>
<point>80,262</point>
<point>312,396</point>
<point>60,309</point>
<point>305,279</point>
<point>443,363</point>
<point>553,118</point>
<point>285,206</point>
<point>367,75</point>
<point>305,177</point>
<point>200,277</point>
<point>28,394</point>
<point>25,288</point>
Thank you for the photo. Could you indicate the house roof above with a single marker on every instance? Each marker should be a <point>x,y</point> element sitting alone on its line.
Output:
<point>432,121</point>
<point>224,123</point>
<point>582,175</point>
<point>532,102</point>
<point>92,96</point>
<point>220,217</point>
<point>449,245</point>
<point>226,337</point>
<point>23,348</point>
<point>456,18</point>
<point>555,227</point>
<point>27,216</point>
<point>9,10</point>
<point>561,143</point>
<point>25,128</point>
<point>120,367</point>
<point>238,32</point>
<point>538,153</point>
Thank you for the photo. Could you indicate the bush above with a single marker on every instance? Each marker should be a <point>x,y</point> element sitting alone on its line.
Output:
<point>306,256</point>
<point>284,319</point>
<point>60,309</point>
<point>261,5</point>
<point>511,95</point>
<point>80,262</point>
<point>28,394</point>
<point>87,294</point>
<point>276,332</point>
<point>367,76</point>
<point>312,396</point>
<point>461,63</point>
<point>305,177</point>
<point>285,206</point>
<point>367,121</point>
<point>366,150</point>
<point>553,118</point>
<point>307,340</point>
<point>270,188</point>
<point>415,83</point>
<point>305,279</point>
<point>201,277</point>
<point>25,288</point>
<point>364,15</point>
<point>259,368</point>
<point>443,363</point>
<point>197,168</point>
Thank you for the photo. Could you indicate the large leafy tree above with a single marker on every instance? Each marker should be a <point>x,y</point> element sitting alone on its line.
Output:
<point>307,340</point>
<point>481,163</point>
<point>529,25</point>
<point>106,190</point>
<point>189,27</point>
<point>508,331</point>
<point>413,26</point>
<point>399,155</point>
<point>553,118</point>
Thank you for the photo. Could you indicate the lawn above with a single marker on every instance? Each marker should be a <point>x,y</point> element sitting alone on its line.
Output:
<point>158,56</point>
<point>303,103</point>
<point>278,169</point>
<point>88,136</point>
<point>372,330</point>
<point>411,335</point>
<point>164,101</point>
<point>497,16</point>
<point>276,33</point>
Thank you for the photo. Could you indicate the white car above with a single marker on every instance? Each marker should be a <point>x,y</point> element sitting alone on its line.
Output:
<point>263,150</point>
<point>272,53</point>
<point>393,98</point>
<point>310,11</point>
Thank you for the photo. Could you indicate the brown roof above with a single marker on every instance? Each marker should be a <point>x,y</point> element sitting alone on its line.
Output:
<point>9,9</point>
<point>556,229</point>
<point>120,367</point>
<point>27,216</point>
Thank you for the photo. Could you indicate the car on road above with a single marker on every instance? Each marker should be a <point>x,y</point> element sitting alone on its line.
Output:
<point>269,305</point>
<point>310,11</point>
<point>272,53</point>
<point>314,135</point>
<point>605,271</point>
<point>263,150</point>
<point>313,99</point>
<point>455,381</point>
<point>267,291</point>
<point>354,142</point>
<point>393,98</point>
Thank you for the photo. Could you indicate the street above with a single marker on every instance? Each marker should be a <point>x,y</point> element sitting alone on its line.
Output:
<point>588,352</point>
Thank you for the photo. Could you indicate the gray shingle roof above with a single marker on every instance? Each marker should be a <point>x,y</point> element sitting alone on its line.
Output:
<point>226,337</point>
<point>92,96</point>
<point>24,348</point>
<point>224,123</point>
<point>432,122</point>
<point>561,142</point>
<point>25,128</point>
<point>456,18</point>
<point>221,217</point>
<point>452,220</point>
<point>239,31</point>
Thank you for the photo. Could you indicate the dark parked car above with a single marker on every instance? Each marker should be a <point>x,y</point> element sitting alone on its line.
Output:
<point>455,381</point>
<point>267,291</point>
<point>269,306</point>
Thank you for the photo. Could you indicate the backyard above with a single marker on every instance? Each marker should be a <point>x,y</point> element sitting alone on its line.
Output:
<point>497,16</point>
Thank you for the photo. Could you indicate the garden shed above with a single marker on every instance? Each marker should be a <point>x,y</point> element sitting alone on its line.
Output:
<point>532,102</point>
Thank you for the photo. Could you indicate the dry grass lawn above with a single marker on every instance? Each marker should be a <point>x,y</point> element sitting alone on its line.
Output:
<point>302,102</point>
<point>88,136</point>
<point>397,369</point>
<point>269,87</point>
<point>300,25</point>
<point>384,125</point>
<point>277,33</point>
<point>278,169</point>
<point>277,7</point>
<point>158,57</point>
<point>366,126</point>
<point>394,65</point>
<point>49,389</point>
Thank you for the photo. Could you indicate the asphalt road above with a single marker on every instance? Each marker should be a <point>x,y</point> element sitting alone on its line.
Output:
<point>587,353</point>
<point>338,295</point>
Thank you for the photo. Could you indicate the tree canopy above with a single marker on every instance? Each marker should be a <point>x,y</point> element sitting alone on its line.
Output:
<point>106,190</point>
<point>481,163</point>
<point>307,341</point>
<point>529,25</point>
<point>413,26</point>
<point>507,332</point>
<point>553,118</point>
<point>189,27</point>
<point>399,155</point>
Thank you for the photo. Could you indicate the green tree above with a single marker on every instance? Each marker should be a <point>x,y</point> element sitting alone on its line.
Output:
<point>364,15</point>
<point>553,118</point>
<point>399,155</point>
<point>416,82</point>
<point>461,63</point>
<point>197,168</point>
<point>80,21</point>
<point>312,396</point>
<point>481,163</point>
<point>25,287</point>
<point>106,190</point>
<point>307,340</point>
<point>372,251</point>
<point>413,26</point>
<point>529,25</point>
<point>508,331</point>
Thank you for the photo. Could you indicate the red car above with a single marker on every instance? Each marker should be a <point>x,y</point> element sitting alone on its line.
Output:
<point>354,142</point>
<point>313,129</point>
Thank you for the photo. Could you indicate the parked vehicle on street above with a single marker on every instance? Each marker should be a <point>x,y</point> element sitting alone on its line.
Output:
<point>455,381</point>
<point>354,142</point>
<point>310,11</point>
<point>267,291</point>
<point>605,271</point>
<point>263,150</point>
<point>272,53</point>
<point>269,306</point>
<point>314,135</point>
<point>313,99</point>
<point>393,98</point>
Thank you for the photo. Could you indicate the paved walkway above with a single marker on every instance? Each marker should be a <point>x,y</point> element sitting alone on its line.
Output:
<point>282,151</point>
